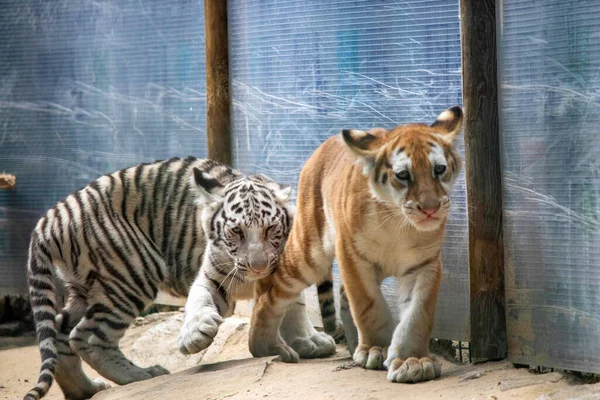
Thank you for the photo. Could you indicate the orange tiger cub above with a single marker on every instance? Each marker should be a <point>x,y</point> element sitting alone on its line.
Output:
<point>376,201</point>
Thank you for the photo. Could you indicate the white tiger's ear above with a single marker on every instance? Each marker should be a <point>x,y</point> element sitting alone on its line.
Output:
<point>283,194</point>
<point>448,124</point>
<point>208,189</point>
<point>365,144</point>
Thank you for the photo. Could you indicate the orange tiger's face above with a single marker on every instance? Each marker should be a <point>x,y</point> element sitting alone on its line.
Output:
<point>412,166</point>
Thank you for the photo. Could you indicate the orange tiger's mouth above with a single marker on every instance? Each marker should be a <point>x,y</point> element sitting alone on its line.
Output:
<point>428,222</point>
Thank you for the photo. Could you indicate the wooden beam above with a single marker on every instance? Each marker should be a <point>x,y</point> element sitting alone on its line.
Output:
<point>7,181</point>
<point>218,127</point>
<point>484,184</point>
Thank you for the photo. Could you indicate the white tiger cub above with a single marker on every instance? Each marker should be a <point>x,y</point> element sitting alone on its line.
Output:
<point>240,251</point>
<point>114,244</point>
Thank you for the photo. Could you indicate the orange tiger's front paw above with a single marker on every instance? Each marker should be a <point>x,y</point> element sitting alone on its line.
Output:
<point>370,357</point>
<point>413,370</point>
<point>261,346</point>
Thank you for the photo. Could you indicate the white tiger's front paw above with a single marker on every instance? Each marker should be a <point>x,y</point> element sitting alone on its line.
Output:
<point>318,345</point>
<point>157,370</point>
<point>198,333</point>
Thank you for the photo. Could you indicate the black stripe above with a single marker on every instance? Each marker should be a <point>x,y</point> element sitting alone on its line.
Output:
<point>65,354</point>
<point>170,196</point>
<point>99,333</point>
<point>45,332</point>
<point>194,238</point>
<point>120,305</point>
<point>148,210</point>
<point>327,308</point>
<point>46,378</point>
<point>39,285</point>
<point>115,325</point>
<point>87,229</point>
<point>75,250</point>
<point>122,224</point>
<point>125,191</point>
<point>57,242</point>
<point>119,281</point>
<point>117,249</point>
<point>97,308</point>
<point>220,289</point>
<point>47,353</point>
<point>325,287</point>
<point>49,364</point>
<point>38,301</point>
<point>43,316</point>
<point>420,265</point>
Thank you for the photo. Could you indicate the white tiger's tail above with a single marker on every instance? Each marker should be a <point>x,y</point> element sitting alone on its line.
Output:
<point>42,295</point>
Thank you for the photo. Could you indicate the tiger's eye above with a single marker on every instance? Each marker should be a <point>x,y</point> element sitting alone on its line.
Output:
<point>403,175</point>
<point>439,169</point>
<point>238,231</point>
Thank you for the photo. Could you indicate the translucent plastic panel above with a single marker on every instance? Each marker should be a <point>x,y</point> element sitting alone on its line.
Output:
<point>550,114</point>
<point>302,71</point>
<point>88,87</point>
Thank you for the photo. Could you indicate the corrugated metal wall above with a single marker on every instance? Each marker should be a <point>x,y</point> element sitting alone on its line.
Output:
<point>550,121</point>
<point>86,88</point>
<point>302,71</point>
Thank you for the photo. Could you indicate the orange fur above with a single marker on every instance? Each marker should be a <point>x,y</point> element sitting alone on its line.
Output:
<point>355,205</point>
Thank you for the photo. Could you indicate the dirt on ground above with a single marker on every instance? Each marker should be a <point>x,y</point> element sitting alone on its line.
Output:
<point>226,370</point>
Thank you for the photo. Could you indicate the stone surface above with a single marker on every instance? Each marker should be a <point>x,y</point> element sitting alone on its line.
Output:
<point>227,371</point>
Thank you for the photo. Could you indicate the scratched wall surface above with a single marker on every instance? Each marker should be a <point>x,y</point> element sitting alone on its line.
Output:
<point>86,88</point>
<point>550,121</point>
<point>302,71</point>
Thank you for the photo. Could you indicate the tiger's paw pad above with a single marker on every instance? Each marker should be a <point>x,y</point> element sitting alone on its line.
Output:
<point>370,357</point>
<point>318,345</point>
<point>101,384</point>
<point>413,370</point>
<point>86,392</point>
<point>197,334</point>
<point>156,370</point>
<point>285,352</point>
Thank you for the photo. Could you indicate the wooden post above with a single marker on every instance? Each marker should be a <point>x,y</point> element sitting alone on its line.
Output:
<point>484,185</point>
<point>218,127</point>
<point>7,181</point>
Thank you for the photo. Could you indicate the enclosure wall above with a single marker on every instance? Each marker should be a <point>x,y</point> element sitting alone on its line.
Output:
<point>550,122</point>
<point>303,71</point>
<point>87,88</point>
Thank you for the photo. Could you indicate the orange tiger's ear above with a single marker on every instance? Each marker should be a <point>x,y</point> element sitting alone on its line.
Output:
<point>449,123</point>
<point>364,144</point>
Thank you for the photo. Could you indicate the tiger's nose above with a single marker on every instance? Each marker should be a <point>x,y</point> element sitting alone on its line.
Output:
<point>258,266</point>
<point>258,261</point>
<point>429,210</point>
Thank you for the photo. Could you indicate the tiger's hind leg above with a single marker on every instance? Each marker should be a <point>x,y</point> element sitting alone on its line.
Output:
<point>96,340</point>
<point>350,330</point>
<point>327,308</point>
<point>297,330</point>
<point>71,378</point>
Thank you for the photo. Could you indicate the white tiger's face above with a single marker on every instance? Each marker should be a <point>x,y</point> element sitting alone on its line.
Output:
<point>249,220</point>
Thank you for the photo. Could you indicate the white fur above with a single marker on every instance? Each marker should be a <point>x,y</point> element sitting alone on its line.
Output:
<point>446,115</point>
<point>436,157</point>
